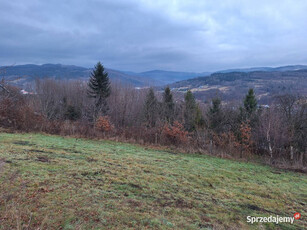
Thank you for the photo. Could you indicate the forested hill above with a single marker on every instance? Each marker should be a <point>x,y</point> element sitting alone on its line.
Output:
<point>22,75</point>
<point>233,85</point>
<point>265,80</point>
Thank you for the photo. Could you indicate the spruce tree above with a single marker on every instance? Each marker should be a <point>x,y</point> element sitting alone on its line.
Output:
<point>99,88</point>
<point>215,115</point>
<point>168,105</point>
<point>151,109</point>
<point>250,102</point>
<point>190,111</point>
<point>248,112</point>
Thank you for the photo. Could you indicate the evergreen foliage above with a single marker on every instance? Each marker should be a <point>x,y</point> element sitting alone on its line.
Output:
<point>248,113</point>
<point>215,116</point>
<point>168,106</point>
<point>250,102</point>
<point>190,111</point>
<point>99,88</point>
<point>151,108</point>
<point>72,113</point>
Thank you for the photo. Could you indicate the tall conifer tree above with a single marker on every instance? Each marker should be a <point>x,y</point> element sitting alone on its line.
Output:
<point>215,117</point>
<point>99,88</point>
<point>168,105</point>
<point>190,111</point>
<point>250,102</point>
<point>151,108</point>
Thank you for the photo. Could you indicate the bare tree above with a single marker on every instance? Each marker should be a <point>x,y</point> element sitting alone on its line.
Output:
<point>2,83</point>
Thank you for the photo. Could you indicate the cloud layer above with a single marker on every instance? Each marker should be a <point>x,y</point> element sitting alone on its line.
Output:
<point>141,35</point>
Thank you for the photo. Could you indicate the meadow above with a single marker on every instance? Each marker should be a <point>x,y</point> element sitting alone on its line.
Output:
<point>53,182</point>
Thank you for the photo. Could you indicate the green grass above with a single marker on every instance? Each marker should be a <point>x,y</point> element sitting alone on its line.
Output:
<point>66,183</point>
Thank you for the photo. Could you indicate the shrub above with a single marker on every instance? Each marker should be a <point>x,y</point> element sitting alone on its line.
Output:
<point>103,124</point>
<point>245,138</point>
<point>15,114</point>
<point>72,113</point>
<point>175,133</point>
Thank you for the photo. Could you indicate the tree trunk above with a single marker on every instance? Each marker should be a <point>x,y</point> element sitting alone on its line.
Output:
<point>291,152</point>
<point>302,159</point>
<point>269,141</point>
<point>156,139</point>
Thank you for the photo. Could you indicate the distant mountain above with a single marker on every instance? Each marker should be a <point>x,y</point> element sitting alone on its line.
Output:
<point>266,69</point>
<point>21,75</point>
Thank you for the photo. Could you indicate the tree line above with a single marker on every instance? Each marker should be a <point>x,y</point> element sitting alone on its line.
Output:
<point>276,134</point>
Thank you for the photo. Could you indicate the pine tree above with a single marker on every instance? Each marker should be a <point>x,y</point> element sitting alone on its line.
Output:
<point>215,115</point>
<point>151,108</point>
<point>250,102</point>
<point>190,111</point>
<point>168,106</point>
<point>99,88</point>
<point>248,112</point>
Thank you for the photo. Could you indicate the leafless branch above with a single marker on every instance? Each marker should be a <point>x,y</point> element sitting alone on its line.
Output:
<point>4,88</point>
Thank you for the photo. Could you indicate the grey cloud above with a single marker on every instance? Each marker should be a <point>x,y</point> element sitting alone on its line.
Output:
<point>143,35</point>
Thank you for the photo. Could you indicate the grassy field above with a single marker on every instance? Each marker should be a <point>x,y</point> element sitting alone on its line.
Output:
<point>51,182</point>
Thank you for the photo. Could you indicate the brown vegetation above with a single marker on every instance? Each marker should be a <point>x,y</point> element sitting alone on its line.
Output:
<point>276,134</point>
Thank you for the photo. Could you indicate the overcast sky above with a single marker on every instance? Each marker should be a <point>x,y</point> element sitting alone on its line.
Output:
<point>140,35</point>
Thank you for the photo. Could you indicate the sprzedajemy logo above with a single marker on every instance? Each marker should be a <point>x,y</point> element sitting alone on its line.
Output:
<point>273,219</point>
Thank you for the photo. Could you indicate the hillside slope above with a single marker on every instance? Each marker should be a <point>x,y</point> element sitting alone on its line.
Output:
<point>21,75</point>
<point>234,85</point>
<point>67,183</point>
<point>267,69</point>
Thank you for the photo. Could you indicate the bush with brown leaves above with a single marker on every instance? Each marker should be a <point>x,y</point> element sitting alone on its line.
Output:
<point>103,124</point>
<point>175,134</point>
